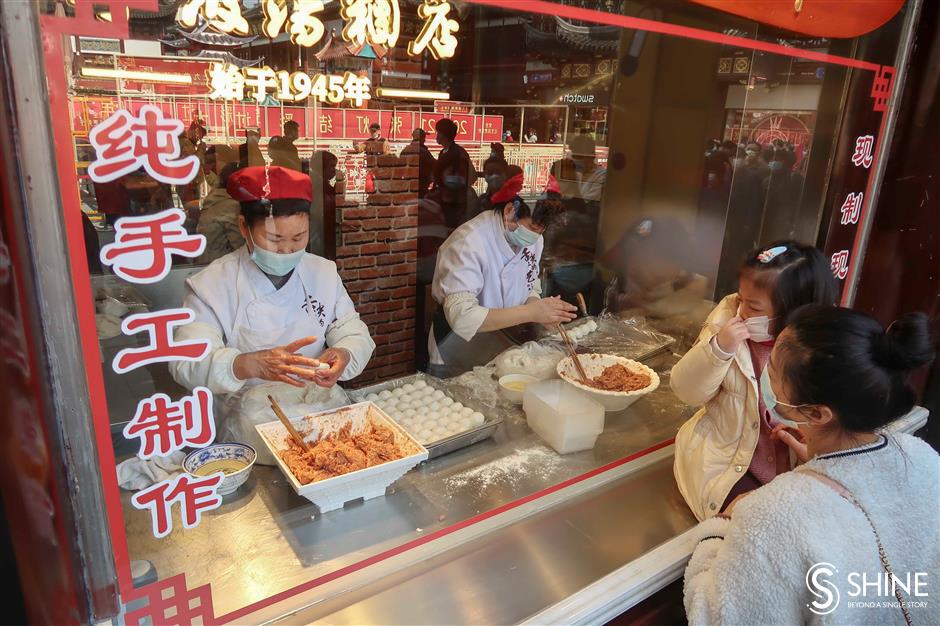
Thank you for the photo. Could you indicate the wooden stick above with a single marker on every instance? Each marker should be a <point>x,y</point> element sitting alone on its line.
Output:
<point>582,304</point>
<point>574,354</point>
<point>290,427</point>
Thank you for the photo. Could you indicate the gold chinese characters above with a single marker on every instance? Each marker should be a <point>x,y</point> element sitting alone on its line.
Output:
<point>228,82</point>
<point>373,22</point>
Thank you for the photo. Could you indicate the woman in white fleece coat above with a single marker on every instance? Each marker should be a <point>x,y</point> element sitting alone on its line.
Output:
<point>795,550</point>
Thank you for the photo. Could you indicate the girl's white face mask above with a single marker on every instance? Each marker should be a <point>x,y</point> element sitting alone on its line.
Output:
<point>758,327</point>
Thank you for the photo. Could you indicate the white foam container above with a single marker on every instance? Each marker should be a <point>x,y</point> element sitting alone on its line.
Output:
<point>367,483</point>
<point>594,365</point>
<point>568,420</point>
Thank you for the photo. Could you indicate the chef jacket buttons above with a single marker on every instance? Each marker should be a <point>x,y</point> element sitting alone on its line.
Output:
<point>712,506</point>
<point>754,426</point>
<point>739,468</point>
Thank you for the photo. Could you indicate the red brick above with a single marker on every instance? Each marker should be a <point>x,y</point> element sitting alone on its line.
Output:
<point>392,282</point>
<point>374,318</point>
<point>358,286</point>
<point>359,213</point>
<point>355,261</point>
<point>404,222</point>
<point>383,173</point>
<point>349,226</point>
<point>373,248</point>
<point>380,198</point>
<point>348,275</point>
<point>411,256</point>
<point>344,202</point>
<point>403,268</point>
<point>402,336</point>
<point>403,292</point>
<point>358,237</point>
<point>388,328</point>
<point>392,305</point>
<point>391,211</point>
<point>406,245</point>
<point>391,371</point>
<point>365,309</point>
<point>377,224</point>
<point>375,296</point>
<point>406,172</point>
<point>409,160</point>
<point>373,272</point>
<point>389,160</point>
<point>344,251</point>
<point>389,259</point>
<point>402,357</point>
<point>390,186</point>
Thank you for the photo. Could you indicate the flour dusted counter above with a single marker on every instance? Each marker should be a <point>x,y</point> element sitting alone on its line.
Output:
<point>473,525</point>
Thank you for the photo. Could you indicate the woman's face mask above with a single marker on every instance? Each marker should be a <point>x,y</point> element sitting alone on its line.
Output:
<point>771,402</point>
<point>274,263</point>
<point>494,182</point>
<point>454,182</point>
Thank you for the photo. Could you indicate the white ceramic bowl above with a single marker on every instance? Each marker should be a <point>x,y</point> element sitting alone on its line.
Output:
<point>594,365</point>
<point>511,394</point>
<point>241,452</point>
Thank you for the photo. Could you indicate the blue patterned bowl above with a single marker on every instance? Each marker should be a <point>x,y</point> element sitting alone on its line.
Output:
<point>235,459</point>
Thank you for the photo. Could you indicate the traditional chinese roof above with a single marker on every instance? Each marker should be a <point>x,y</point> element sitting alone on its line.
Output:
<point>569,38</point>
<point>334,48</point>
<point>207,38</point>
<point>227,57</point>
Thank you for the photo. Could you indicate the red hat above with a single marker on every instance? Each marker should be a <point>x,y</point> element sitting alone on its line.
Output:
<point>509,190</point>
<point>247,184</point>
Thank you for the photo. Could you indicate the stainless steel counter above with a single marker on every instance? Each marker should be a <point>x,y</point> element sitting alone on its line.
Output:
<point>266,540</point>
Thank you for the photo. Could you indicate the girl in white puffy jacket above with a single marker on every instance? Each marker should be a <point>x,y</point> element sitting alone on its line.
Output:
<point>727,447</point>
<point>816,545</point>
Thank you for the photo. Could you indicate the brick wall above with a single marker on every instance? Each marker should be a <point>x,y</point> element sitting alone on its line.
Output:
<point>377,257</point>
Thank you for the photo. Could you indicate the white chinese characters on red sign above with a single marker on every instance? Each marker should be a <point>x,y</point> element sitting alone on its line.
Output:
<point>124,143</point>
<point>161,346</point>
<point>143,246</point>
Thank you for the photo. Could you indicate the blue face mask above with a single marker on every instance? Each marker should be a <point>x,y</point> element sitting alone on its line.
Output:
<point>454,182</point>
<point>522,237</point>
<point>274,263</point>
<point>771,402</point>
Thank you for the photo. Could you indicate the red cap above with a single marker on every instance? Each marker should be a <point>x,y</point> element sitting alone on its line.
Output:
<point>247,184</point>
<point>509,190</point>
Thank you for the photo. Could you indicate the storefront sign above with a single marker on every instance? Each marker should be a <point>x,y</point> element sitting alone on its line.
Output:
<point>373,22</point>
<point>448,107</point>
<point>230,82</point>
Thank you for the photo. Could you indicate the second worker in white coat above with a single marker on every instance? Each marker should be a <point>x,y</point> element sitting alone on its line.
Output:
<point>278,319</point>
<point>487,279</point>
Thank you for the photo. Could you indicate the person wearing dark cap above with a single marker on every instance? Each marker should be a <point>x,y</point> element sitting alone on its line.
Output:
<point>426,161</point>
<point>278,319</point>
<point>283,150</point>
<point>487,278</point>
<point>249,153</point>
<point>447,138</point>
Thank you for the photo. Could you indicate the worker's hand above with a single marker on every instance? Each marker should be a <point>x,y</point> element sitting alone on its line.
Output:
<point>732,335</point>
<point>337,359</point>
<point>550,311</point>
<point>793,439</point>
<point>281,364</point>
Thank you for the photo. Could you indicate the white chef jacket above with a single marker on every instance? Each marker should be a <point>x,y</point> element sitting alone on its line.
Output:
<point>238,309</point>
<point>478,270</point>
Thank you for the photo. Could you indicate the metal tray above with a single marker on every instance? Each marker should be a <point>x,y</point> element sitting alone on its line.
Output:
<point>454,442</point>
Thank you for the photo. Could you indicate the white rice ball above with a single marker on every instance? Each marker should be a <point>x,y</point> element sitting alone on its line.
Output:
<point>456,407</point>
<point>408,414</point>
<point>434,406</point>
<point>372,397</point>
<point>466,411</point>
<point>476,419</point>
<point>464,424</point>
<point>407,388</point>
<point>424,434</point>
<point>420,384</point>
<point>438,394</point>
<point>447,402</point>
<point>385,394</point>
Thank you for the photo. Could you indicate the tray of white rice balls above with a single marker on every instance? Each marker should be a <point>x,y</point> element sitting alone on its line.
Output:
<point>441,419</point>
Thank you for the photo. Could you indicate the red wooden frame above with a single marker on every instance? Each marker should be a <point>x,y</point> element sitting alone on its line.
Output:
<point>84,23</point>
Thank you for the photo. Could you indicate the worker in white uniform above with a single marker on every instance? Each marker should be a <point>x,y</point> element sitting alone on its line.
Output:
<point>278,319</point>
<point>487,279</point>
